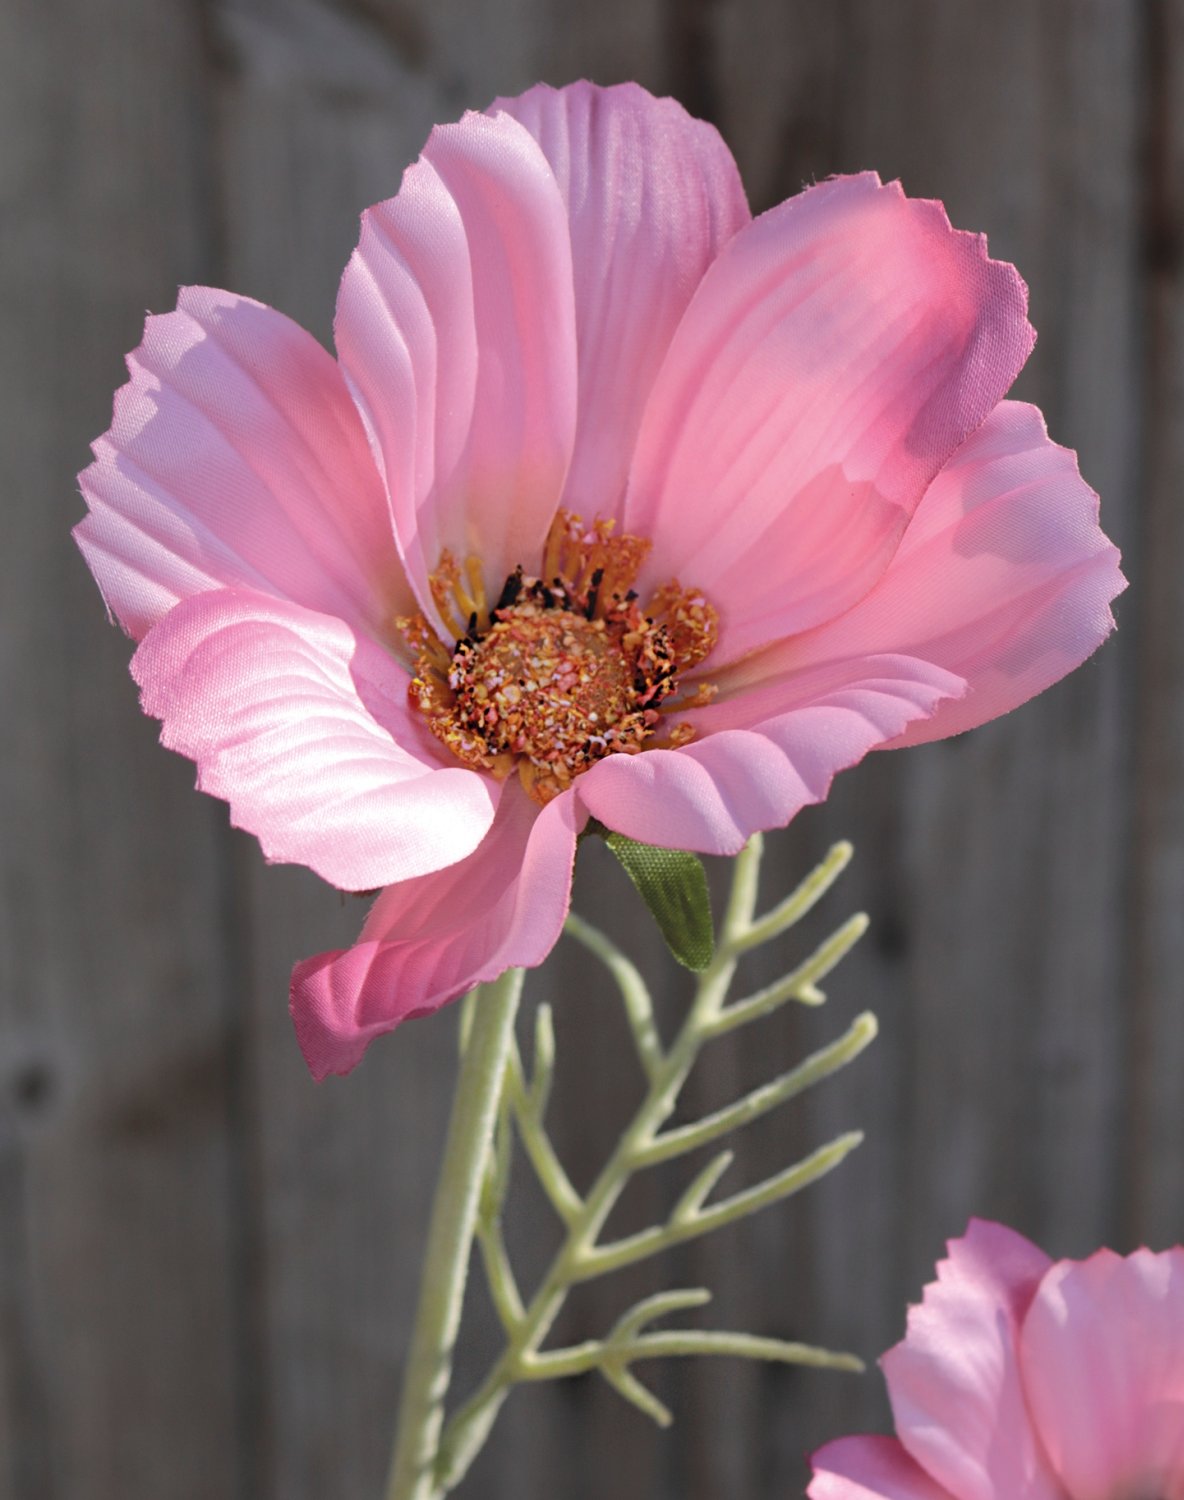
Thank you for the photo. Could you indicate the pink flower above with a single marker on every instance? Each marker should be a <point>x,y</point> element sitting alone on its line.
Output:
<point>1024,1379</point>
<point>838,535</point>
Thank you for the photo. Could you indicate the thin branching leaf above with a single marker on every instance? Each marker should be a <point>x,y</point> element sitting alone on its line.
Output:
<point>499,1275</point>
<point>543,1157</point>
<point>783,1184</point>
<point>635,995</point>
<point>627,1384</point>
<point>675,889</point>
<point>767,1096</point>
<point>807,895</point>
<point>801,984</point>
<point>660,1305</point>
<point>543,1074</point>
<point>701,1188</point>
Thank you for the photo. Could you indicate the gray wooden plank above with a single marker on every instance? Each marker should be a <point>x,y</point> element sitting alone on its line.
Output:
<point>1154,989</point>
<point>117,1275</point>
<point>208,1265</point>
<point>316,112</point>
<point>993,867</point>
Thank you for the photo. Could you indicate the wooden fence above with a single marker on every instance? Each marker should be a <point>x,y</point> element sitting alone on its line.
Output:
<point>207,1264</point>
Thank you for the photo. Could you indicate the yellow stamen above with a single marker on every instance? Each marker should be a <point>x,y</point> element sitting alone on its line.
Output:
<point>476,595</point>
<point>444,583</point>
<point>553,550</point>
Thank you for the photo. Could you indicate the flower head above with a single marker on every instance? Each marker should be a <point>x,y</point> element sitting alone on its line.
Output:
<point>615,503</point>
<point>1024,1379</point>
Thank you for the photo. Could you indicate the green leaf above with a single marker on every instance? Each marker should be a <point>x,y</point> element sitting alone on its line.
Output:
<point>673,884</point>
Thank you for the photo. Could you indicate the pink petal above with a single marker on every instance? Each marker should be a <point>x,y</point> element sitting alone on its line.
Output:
<point>955,1380</point>
<point>236,456</point>
<point>836,354</point>
<point>1103,1362</point>
<point>456,326</point>
<point>429,940</point>
<point>652,195</point>
<point>853,1468</point>
<point>305,729</point>
<point>1003,577</point>
<point>763,755</point>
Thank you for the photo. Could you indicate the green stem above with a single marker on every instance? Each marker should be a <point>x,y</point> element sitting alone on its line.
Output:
<point>450,1241</point>
<point>469,1427</point>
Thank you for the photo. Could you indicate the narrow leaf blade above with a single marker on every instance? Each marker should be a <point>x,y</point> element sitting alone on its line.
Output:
<point>673,884</point>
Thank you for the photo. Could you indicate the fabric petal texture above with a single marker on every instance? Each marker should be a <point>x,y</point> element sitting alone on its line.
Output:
<point>1103,1360</point>
<point>857,1468</point>
<point>652,196</point>
<point>427,941</point>
<point>236,456</point>
<point>1003,577</point>
<point>836,354</point>
<point>955,1384</point>
<point>764,756</point>
<point>305,729</point>
<point>615,502</point>
<point>456,326</point>
<point>1022,1378</point>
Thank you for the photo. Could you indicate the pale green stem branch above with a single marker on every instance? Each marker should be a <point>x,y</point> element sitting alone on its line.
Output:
<point>676,1343</point>
<point>450,1240</point>
<point>737,923</point>
<point>639,1009</point>
<point>503,1285</point>
<point>580,1257</point>
<point>799,902</point>
<point>542,1062</point>
<point>612,1257</point>
<point>701,1187</point>
<point>660,1305</point>
<point>761,1100</point>
<point>468,1428</point>
<point>800,984</point>
<point>548,1168</point>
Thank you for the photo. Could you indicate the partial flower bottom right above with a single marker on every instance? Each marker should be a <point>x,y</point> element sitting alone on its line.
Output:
<point>1021,1378</point>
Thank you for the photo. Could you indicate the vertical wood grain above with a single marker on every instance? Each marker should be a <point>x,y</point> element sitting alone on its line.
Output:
<point>207,1264</point>
<point>994,867</point>
<point>118,1278</point>
<point>1155,987</point>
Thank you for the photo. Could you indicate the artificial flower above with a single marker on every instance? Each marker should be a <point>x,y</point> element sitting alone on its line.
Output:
<point>1021,1378</point>
<point>615,503</point>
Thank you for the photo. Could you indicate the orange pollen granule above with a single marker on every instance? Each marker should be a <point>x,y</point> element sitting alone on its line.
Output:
<point>565,668</point>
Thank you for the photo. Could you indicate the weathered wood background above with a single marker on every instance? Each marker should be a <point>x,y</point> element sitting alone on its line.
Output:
<point>207,1264</point>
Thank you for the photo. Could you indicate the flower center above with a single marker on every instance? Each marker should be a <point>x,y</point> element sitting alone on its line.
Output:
<point>564,669</point>
<point>543,683</point>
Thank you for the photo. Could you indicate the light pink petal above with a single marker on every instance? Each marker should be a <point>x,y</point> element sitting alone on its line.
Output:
<point>652,195</point>
<point>762,756</point>
<point>838,351</point>
<point>429,940</point>
<point>955,1382</point>
<point>236,456</point>
<point>456,326</point>
<point>857,1468</point>
<point>1003,577</point>
<point>304,728</point>
<point>1103,1363</point>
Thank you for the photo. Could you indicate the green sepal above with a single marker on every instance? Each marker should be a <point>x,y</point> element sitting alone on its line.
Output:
<point>673,884</point>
